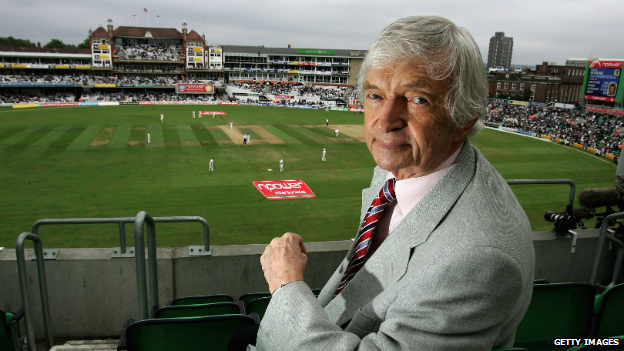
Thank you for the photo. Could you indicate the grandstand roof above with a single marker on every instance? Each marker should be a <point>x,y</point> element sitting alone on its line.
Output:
<point>236,49</point>
<point>9,49</point>
<point>100,32</point>
<point>193,35</point>
<point>139,32</point>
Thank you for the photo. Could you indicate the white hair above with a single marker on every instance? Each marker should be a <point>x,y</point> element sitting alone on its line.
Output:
<point>447,51</point>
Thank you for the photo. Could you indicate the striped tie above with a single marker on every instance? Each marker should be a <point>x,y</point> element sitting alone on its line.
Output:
<point>386,195</point>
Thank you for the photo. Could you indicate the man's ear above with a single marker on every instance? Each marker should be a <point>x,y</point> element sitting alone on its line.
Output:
<point>463,131</point>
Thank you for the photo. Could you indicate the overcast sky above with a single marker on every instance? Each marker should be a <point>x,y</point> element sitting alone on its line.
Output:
<point>543,30</point>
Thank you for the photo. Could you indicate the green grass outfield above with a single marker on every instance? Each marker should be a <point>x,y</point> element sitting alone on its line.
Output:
<point>95,162</point>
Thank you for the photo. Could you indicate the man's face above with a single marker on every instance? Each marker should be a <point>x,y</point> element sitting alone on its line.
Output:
<point>406,126</point>
<point>611,89</point>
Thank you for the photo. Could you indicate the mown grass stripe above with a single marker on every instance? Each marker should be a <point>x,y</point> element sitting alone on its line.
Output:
<point>50,137</point>
<point>219,136</point>
<point>313,136</point>
<point>65,140</point>
<point>171,136</point>
<point>85,138</point>
<point>280,134</point>
<point>203,135</point>
<point>120,137</point>
<point>187,137</point>
<point>14,139</point>
<point>6,133</point>
<point>156,135</point>
<point>32,137</point>
<point>138,137</point>
<point>294,134</point>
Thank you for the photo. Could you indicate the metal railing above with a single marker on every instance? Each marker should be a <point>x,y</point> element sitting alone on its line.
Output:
<point>25,292</point>
<point>604,235</point>
<point>141,219</point>
<point>121,221</point>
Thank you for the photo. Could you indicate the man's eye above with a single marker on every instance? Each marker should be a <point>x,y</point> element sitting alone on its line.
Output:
<point>420,100</point>
<point>374,96</point>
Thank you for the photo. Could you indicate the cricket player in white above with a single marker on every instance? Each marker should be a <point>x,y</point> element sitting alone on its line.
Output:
<point>337,132</point>
<point>281,165</point>
<point>213,114</point>
<point>193,114</point>
<point>199,114</point>
<point>324,152</point>
<point>149,139</point>
<point>211,165</point>
<point>231,124</point>
<point>162,118</point>
<point>248,138</point>
<point>326,122</point>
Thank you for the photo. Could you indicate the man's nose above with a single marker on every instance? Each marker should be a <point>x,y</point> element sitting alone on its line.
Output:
<point>393,114</point>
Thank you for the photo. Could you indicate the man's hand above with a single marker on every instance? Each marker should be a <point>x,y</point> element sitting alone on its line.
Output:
<point>284,260</point>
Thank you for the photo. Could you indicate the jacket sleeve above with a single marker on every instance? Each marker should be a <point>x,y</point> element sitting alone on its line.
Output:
<point>460,302</point>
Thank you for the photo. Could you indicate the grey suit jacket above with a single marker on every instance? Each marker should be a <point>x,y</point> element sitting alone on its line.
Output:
<point>456,274</point>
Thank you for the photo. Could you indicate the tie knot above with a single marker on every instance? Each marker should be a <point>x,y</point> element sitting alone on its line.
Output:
<point>386,194</point>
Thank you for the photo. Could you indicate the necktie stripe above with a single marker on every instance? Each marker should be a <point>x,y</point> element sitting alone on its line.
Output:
<point>365,234</point>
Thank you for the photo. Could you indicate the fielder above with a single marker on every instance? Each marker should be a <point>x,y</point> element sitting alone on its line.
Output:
<point>199,115</point>
<point>162,118</point>
<point>211,165</point>
<point>281,165</point>
<point>149,139</point>
<point>193,114</point>
<point>231,124</point>
<point>337,132</point>
<point>213,114</point>
<point>326,122</point>
<point>248,138</point>
<point>324,152</point>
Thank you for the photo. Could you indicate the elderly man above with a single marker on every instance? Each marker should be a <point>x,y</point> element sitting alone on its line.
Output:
<point>443,259</point>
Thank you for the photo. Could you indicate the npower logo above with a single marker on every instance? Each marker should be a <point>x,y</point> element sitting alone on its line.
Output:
<point>284,189</point>
<point>605,64</point>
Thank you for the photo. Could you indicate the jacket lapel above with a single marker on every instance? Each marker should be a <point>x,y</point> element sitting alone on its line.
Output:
<point>389,263</point>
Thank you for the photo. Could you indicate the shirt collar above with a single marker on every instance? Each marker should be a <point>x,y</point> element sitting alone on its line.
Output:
<point>410,191</point>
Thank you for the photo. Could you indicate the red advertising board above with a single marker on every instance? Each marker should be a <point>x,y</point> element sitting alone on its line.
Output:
<point>282,97</point>
<point>353,109</point>
<point>195,89</point>
<point>179,102</point>
<point>212,112</point>
<point>147,102</point>
<point>228,103</point>
<point>284,189</point>
<point>604,110</point>
<point>599,98</point>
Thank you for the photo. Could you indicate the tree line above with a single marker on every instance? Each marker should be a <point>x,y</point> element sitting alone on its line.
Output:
<point>53,43</point>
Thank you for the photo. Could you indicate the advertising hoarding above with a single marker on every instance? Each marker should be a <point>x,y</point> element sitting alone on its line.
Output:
<point>602,81</point>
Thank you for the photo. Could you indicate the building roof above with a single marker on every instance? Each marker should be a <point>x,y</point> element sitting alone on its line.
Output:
<point>139,32</point>
<point>36,50</point>
<point>261,50</point>
<point>100,32</point>
<point>193,35</point>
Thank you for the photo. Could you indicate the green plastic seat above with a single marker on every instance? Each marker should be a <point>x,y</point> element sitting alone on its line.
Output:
<point>609,310</point>
<point>199,300</point>
<point>188,334</point>
<point>247,298</point>
<point>558,310</point>
<point>203,310</point>
<point>258,306</point>
<point>10,338</point>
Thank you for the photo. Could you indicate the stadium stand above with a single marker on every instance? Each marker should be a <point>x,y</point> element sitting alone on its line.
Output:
<point>561,310</point>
